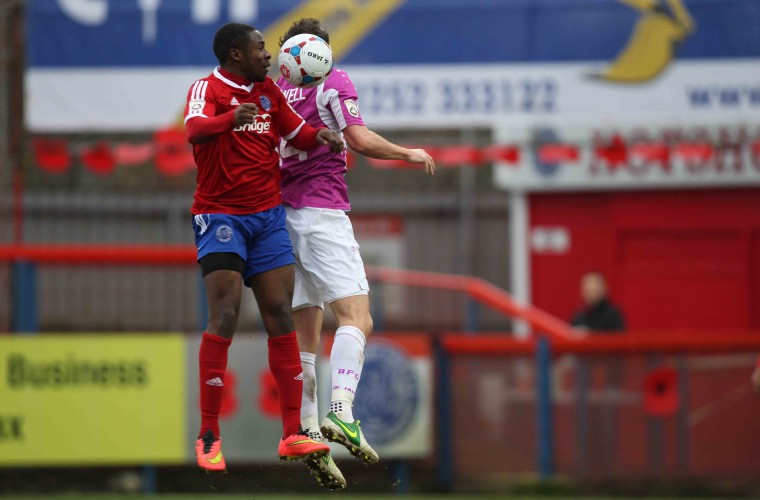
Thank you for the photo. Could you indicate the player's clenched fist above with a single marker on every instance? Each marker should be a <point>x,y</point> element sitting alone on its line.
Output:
<point>332,139</point>
<point>245,113</point>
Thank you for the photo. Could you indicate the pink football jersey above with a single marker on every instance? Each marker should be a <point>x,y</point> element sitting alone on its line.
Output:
<point>317,178</point>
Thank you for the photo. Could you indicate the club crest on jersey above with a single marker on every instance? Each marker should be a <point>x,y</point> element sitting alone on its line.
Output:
<point>352,107</point>
<point>224,233</point>
<point>265,103</point>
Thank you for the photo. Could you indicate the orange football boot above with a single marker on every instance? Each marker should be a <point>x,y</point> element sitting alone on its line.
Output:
<point>300,446</point>
<point>208,450</point>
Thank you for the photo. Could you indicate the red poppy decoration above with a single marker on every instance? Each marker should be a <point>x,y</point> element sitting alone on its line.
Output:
<point>133,154</point>
<point>52,155</point>
<point>502,153</point>
<point>655,152</point>
<point>174,155</point>
<point>99,159</point>
<point>615,153</point>
<point>756,149</point>
<point>661,392</point>
<point>695,152</point>
<point>229,404</point>
<point>458,156</point>
<point>388,164</point>
<point>558,153</point>
<point>269,401</point>
<point>229,398</point>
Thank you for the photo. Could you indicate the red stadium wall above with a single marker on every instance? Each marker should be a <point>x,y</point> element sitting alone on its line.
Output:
<point>673,259</point>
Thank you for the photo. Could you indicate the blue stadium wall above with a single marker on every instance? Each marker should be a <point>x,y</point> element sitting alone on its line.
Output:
<point>419,31</point>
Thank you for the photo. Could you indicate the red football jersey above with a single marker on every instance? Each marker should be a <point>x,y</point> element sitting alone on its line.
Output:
<point>238,171</point>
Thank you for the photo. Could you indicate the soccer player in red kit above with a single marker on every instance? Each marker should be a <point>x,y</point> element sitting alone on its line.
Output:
<point>235,119</point>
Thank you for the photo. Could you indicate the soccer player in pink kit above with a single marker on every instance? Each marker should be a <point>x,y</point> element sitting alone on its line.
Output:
<point>328,265</point>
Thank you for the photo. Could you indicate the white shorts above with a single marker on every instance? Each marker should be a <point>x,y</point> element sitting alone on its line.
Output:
<point>328,264</point>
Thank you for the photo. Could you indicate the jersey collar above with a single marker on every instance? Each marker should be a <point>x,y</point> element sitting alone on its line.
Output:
<point>231,79</point>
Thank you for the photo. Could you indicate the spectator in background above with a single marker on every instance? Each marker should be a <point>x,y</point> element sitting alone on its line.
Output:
<point>756,377</point>
<point>598,313</point>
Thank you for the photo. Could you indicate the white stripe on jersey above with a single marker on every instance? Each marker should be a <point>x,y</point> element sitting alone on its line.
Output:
<point>332,118</point>
<point>198,93</point>
<point>295,132</point>
<point>320,100</point>
<point>194,116</point>
<point>199,90</point>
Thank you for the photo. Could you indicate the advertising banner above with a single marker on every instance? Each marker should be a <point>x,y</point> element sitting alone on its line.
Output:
<point>394,398</point>
<point>92,399</point>
<point>628,157</point>
<point>567,94</point>
<point>425,96</point>
<point>104,65</point>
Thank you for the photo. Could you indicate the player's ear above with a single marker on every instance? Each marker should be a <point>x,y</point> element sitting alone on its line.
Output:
<point>234,54</point>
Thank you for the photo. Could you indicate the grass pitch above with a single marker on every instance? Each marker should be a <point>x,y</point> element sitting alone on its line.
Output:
<point>336,495</point>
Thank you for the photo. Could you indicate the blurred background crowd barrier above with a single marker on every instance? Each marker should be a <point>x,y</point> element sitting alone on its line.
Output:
<point>618,136</point>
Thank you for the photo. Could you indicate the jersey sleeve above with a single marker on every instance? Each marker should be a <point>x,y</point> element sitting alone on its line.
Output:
<point>345,103</point>
<point>200,101</point>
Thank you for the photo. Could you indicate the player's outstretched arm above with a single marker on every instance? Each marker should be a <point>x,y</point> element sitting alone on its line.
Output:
<point>307,138</point>
<point>332,139</point>
<point>368,143</point>
<point>201,129</point>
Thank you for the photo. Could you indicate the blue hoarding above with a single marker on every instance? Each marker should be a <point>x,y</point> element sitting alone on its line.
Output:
<point>159,33</point>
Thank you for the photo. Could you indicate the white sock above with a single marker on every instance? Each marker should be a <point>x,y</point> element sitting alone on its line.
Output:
<point>309,410</point>
<point>346,360</point>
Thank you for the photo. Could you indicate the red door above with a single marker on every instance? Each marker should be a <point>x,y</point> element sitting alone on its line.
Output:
<point>673,259</point>
<point>693,279</point>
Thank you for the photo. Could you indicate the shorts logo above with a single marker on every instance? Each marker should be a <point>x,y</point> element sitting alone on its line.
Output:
<point>352,107</point>
<point>265,103</point>
<point>202,221</point>
<point>224,233</point>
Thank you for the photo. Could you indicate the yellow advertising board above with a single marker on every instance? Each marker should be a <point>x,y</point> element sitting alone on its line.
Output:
<point>92,399</point>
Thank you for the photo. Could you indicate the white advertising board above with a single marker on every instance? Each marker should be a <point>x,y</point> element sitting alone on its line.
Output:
<point>422,96</point>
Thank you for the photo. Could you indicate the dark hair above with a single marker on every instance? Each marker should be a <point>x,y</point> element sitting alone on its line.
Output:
<point>231,36</point>
<point>307,25</point>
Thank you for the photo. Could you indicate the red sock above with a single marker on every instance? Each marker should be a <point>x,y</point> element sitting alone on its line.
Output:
<point>212,364</point>
<point>285,363</point>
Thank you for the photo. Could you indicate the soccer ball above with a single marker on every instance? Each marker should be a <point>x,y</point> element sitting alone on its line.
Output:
<point>305,60</point>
